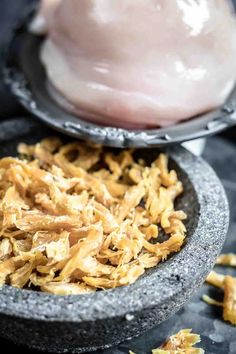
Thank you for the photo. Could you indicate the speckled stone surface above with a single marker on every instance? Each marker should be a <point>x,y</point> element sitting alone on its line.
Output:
<point>86,322</point>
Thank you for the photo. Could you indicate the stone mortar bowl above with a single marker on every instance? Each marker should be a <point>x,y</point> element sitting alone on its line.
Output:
<point>83,323</point>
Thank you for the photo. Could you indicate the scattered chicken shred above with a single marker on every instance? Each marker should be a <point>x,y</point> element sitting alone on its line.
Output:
<point>181,343</point>
<point>227,260</point>
<point>228,284</point>
<point>77,218</point>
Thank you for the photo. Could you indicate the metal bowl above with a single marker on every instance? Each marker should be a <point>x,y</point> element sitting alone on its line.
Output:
<point>26,77</point>
<point>99,320</point>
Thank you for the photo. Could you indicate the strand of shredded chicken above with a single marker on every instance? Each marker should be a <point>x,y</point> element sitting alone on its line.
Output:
<point>77,218</point>
<point>228,284</point>
<point>181,343</point>
<point>227,260</point>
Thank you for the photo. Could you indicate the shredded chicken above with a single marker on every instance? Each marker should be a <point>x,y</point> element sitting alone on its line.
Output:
<point>228,284</point>
<point>181,343</point>
<point>76,218</point>
<point>211,301</point>
<point>216,279</point>
<point>227,260</point>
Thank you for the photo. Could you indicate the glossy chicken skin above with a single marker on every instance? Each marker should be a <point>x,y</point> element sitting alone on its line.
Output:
<point>140,63</point>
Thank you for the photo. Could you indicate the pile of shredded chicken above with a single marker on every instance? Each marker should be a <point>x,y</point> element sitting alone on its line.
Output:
<point>77,218</point>
<point>228,284</point>
<point>182,342</point>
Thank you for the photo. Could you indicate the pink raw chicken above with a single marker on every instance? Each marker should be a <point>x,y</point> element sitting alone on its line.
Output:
<point>139,63</point>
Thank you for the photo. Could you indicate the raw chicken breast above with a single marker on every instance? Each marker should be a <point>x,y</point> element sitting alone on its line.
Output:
<point>140,63</point>
<point>46,12</point>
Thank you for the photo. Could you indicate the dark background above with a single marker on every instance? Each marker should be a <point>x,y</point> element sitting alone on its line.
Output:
<point>10,11</point>
<point>218,337</point>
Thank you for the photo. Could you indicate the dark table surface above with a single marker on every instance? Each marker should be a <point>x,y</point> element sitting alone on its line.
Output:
<point>218,337</point>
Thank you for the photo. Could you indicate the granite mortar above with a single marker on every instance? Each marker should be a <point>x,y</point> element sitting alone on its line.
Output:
<point>83,323</point>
